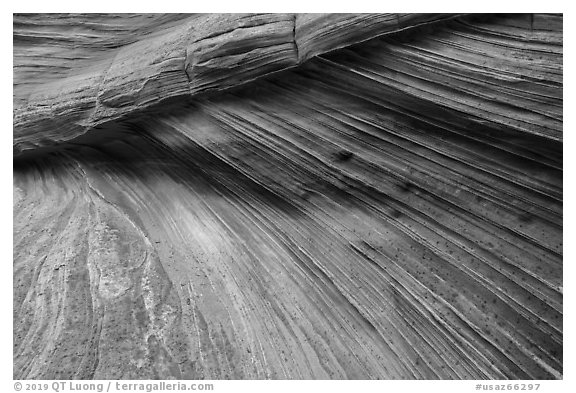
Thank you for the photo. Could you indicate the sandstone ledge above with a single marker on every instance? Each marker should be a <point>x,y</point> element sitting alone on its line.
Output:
<point>77,86</point>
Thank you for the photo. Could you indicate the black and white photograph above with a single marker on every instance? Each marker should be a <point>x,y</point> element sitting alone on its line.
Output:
<point>202,197</point>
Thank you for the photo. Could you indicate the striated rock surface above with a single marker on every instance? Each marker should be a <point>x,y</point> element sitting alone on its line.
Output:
<point>391,209</point>
<point>74,72</point>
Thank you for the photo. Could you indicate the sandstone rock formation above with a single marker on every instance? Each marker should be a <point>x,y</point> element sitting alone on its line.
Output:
<point>288,196</point>
<point>75,72</point>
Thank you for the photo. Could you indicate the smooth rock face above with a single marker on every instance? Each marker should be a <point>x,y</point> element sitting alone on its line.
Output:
<point>391,209</point>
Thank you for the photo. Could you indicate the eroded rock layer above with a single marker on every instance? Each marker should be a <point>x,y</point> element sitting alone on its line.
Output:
<point>75,72</point>
<point>390,210</point>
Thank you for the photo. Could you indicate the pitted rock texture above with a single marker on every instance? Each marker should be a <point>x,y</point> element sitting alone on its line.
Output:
<point>389,210</point>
